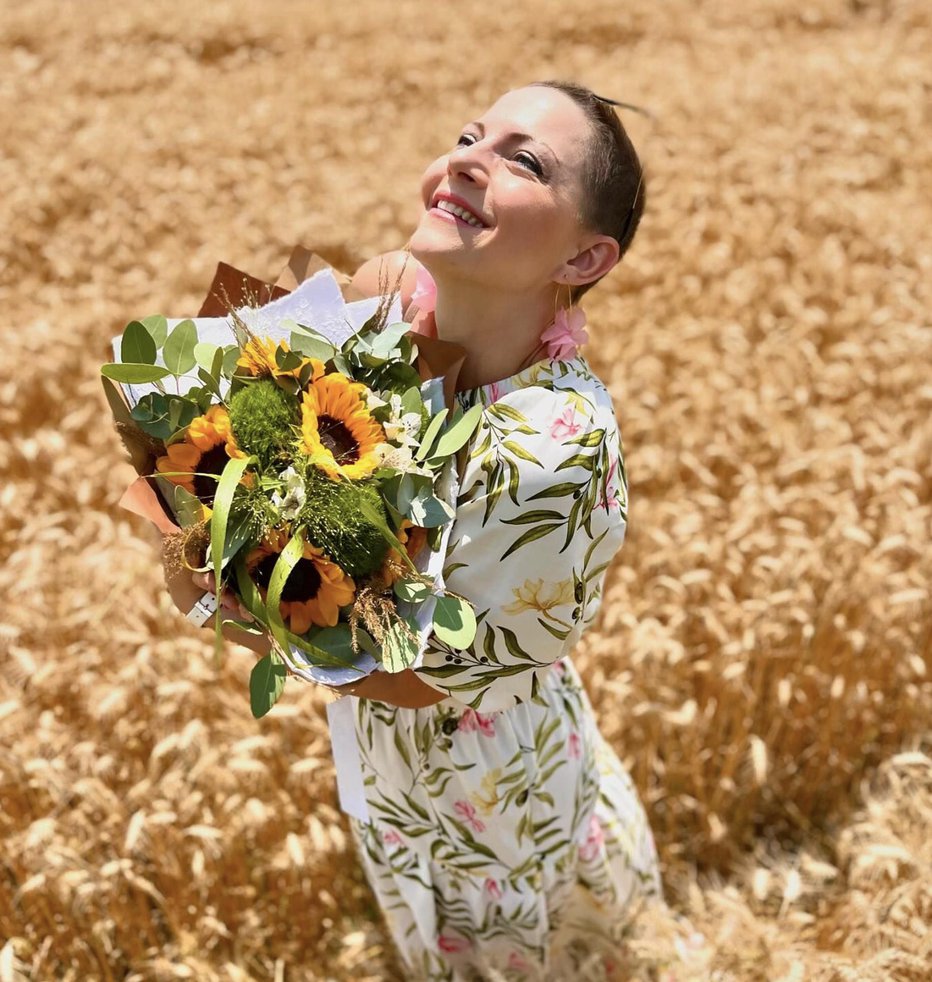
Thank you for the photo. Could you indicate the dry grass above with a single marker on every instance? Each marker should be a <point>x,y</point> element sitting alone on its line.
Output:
<point>766,639</point>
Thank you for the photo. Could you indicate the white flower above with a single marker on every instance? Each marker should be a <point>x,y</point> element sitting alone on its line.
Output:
<point>373,401</point>
<point>295,493</point>
<point>399,459</point>
<point>403,429</point>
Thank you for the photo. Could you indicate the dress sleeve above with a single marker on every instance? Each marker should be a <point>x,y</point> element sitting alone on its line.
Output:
<point>542,511</point>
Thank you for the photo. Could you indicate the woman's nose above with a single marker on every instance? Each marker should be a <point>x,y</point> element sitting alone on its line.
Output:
<point>468,162</point>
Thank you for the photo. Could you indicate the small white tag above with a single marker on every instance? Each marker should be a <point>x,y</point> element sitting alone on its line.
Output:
<point>346,761</point>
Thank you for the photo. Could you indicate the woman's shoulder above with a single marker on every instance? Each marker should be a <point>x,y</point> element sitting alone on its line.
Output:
<point>385,272</point>
<point>552,391</point>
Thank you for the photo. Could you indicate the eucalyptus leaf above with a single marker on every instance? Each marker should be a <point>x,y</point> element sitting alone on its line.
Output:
<point>137,345</point>
<point>387,340</point>
<point>231,355</point>
<point>411,400</point>
<point>454,622</point>
<point>399,651</point>
<point>457,434</point>
<point>134,374</point>
<point>157,326</point>
<point>429,511</point>
<point>204,353</point>
<point>266,683</point>
<point>287,360</point>
<point>430,434</point>
<point>412,591</point>
<point>178,352</point>
<point>336,641</point>
<point>312,345</point>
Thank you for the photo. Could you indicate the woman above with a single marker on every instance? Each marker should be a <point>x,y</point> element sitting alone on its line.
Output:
<point>504,835</point>
<point>505,839</point>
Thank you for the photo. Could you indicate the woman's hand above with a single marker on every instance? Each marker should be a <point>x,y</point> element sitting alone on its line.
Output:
<point>228,600</point>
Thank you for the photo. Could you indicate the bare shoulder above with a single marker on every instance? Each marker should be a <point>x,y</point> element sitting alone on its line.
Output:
<point>384,271</point>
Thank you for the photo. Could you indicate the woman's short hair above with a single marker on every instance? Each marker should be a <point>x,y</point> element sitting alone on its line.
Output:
<point>614,186</point>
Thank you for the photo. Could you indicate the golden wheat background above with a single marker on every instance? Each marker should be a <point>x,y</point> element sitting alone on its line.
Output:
<point>765,645</point>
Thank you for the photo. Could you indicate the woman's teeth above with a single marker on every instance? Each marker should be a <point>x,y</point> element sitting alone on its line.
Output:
<point>462,213</point>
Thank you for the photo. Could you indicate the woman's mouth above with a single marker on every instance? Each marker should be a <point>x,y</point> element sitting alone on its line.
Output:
<point>451,208</point>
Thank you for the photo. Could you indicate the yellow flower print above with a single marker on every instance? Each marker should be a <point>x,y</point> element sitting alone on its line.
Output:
<point>540,596</point>
<point>486,799</point>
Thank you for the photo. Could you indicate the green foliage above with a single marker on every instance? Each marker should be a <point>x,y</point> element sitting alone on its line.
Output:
<point>163,415</point>
<point>262,416</point>
<point>334,515</point>
<point>266,683</point>
<point>137,345</point>
<point>178,351</point>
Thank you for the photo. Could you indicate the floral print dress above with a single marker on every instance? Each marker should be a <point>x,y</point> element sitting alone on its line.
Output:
<point>505,839</point>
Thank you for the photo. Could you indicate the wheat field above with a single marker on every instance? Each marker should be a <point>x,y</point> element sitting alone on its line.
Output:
<point>763,663</point>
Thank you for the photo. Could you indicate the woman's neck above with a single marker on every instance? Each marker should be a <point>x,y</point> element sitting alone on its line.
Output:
<point>500,331</point>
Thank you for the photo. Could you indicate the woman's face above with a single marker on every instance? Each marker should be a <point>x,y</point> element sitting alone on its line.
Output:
<point>502,207</point>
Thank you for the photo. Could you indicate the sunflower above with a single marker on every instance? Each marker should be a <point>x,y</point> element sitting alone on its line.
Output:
<point>313,592</point>
<point>258,359</point>
<point>196,462</point>
<point>338,432</point>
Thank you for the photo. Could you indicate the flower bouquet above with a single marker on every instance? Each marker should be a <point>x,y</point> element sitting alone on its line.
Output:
<point>307,458</point>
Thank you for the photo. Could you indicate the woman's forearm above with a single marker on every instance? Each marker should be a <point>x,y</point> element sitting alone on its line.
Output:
<point>403,689</point>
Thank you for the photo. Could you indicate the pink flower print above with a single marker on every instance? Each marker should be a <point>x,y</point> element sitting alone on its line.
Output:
<point>451,943</point>
<point>391,838</point>
<point>518,962</point>
<point>573,746</point>
<point>467,813</point>
<point>610,494</point>
<point>594,840</point>
<point>559,666</point>
<point>493,889</point>
<point>495,392</point>
<point>566,333</point>
<point>424,296</point>
<point>471,720</point>
<point>565,425</point>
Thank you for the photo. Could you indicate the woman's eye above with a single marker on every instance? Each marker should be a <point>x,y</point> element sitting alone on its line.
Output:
<point>466,140</point>
<point>529,161</point>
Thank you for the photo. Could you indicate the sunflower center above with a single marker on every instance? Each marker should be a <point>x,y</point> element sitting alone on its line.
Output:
<point>212,462</point>
<point>302,584</point>
<point>335,436</point>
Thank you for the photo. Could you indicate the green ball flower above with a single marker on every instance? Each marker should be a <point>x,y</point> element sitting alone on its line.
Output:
<point>263,416</point>
<point>334,523</point>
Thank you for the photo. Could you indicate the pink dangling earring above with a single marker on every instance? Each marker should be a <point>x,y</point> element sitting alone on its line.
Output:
<point>566,334</point>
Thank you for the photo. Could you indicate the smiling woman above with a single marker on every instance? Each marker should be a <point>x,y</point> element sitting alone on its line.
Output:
<point>504,837</point>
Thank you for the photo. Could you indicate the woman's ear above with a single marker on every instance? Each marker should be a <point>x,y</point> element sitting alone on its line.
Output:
<point>600,254</point>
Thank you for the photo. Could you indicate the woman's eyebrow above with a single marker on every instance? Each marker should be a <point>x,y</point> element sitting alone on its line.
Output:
<point>519,137</point>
